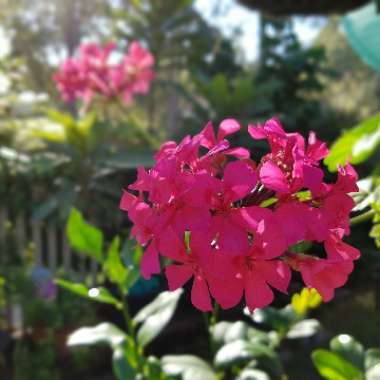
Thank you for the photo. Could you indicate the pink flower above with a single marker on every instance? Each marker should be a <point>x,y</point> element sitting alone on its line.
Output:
<point>289,167</point>
<point>191,263</point>
<point>92,73</point>
<point>242,218</point>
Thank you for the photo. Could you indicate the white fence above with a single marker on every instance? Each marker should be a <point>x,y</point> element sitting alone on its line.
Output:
<point>49,245</point>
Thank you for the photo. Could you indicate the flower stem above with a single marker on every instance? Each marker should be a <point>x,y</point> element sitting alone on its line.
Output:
<point>128,319</point>
<point>362,218</point>
<point>131,329</point>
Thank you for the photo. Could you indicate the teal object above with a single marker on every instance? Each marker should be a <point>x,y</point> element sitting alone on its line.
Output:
<point>362,29</point>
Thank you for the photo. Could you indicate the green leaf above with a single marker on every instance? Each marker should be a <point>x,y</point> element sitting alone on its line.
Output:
<point>113,266</point>
<point>253,374</point>
<point>372,364</point>
<point>332,366</point>
<point>350,349</point>
<point>153,369</point>
<point>372,358</point>
<point>304,329</point>
<point>84,237</point>
<point>373,373</point>
<point>121,364</point>
<point>278,319</point>
<point>241,351</point>
<point>156,315</point>
<point>225,332</point>
<point>189,367</point>
<point>375,234</point>
<point>99,294</point>
<point>356,145</point>
<point>123,359</point>
<point>131,255</point>
<point>103,333</point>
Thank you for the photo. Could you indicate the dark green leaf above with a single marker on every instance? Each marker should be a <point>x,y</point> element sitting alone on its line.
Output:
<point>98,294</point>
<point>121,364</point>
<point>189,367</point>
<point>131,254</point>
<point>278,319</point>
<point>156,315</point>
<point>332,366</point>
<point>84,237</point>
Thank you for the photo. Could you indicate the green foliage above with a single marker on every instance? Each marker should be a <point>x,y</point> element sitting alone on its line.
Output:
<point>113,266</point>
<point>289,78</point>
<point>347,360</point>
<point>124,364</point>
<point>98,294</point>
<point>355,145</point>
<point>36,362</point>
<point>189,367</point>
<point>375,230</point>
<point>333,367</point>
<point>156,315</point>
<point>83,237</point>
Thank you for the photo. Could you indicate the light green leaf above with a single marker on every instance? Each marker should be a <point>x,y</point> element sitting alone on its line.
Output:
<point>372,358</point>
<point>356,145</point>
<point>253,374</point>
<point>225,332</point>
<point>156,315</point>
<point>103,333</point>
<point>113,266</point>
<point>84,237</point>
<point>98,294</point>
<point>304,329</point>
<point>373,373</point>
<point>372,364</point>
<point>189,367</point>
<point>332,366</point>
<point>350,349</point>
<point>241,351</point>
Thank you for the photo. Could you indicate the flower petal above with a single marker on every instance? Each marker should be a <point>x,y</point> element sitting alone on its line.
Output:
<point>273,178</point>
<point>227,127</point>
<point>150,262</point>
<point>178,275</point>
<point>257,292</point>
<point>200,295</point>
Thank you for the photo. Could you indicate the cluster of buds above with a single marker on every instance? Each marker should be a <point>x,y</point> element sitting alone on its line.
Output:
<point>92,73</point>
<point>236,227</point>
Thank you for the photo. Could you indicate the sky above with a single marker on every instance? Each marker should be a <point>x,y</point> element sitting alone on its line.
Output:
<point>229,16</point>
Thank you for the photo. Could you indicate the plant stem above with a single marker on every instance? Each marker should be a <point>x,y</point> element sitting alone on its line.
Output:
<point>128,318</point>
<point>139,351</point>
<point>362,218</point>
<point>215,314</point>
<point>209,322</point>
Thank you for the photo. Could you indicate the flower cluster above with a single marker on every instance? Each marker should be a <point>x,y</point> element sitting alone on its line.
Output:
<point>92,73</point>
<point>236,226</point>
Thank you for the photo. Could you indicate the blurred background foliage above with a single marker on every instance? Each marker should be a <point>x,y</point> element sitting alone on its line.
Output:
<point>200,76</point>
<point>53,157</point>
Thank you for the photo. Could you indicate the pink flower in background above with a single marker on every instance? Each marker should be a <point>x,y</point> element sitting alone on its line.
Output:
<point>229,225</point>
<point>93,74</point>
